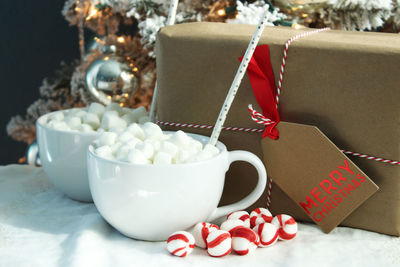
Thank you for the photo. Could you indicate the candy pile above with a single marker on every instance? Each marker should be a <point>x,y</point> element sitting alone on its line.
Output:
<point>147,144</point>
<point>97,118</point>
<point>235,234</point>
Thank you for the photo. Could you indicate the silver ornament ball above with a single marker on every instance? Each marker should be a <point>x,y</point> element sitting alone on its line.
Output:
<point>111,78</point>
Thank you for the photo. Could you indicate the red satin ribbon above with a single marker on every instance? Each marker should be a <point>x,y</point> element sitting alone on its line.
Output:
<point>262,81</point>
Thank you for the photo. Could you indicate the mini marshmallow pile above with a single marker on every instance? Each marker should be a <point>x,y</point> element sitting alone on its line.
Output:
<point>97,118</point>
<point>147,144</point>
<point>241,232</point>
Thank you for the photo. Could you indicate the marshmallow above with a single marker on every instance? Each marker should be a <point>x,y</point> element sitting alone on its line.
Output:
<point>96,108</point>
<point>196,145</point>
<point>180,243</point>
<point>231,225</point>
<point>137,157</point>
<point>201,231</point>
<point>80,113</point>
<point>268,234</point>
<point>180,139</point>
<point>152,131</point>
<point>169,148</point>
<point>244,240</point>
<point>162,158</point>
<point>182,156</point>
<point>111,112</point>
<point>73,122</point>
<point>115,147</point>
<point>146,148</point>
<point>260,215</point>
<point>211,149</point>
<point>139,112</point>
<point>219,243</point>
<point>203,155</point>
<point>111,120</point>
<point>144,119</point>
<point>154,146</point>
<point>287,226</point>
<point>115,107</point>
<point>133,142</point>
<point>104,152</point>
<point>240,215</point>
<point>123,150</point>
<point>108,138</point>
<point>100,119</point>
<point>125,136</point>
<point>92,119</point>
<point>85,128</point>
<point>136,130</point>
<point>116,130</point>
<point>56,116</point>
<point>129,118</point>
<point>58,125</point>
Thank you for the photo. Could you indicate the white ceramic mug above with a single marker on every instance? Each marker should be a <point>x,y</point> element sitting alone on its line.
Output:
<point>149,202</point>
<point>63,157</point>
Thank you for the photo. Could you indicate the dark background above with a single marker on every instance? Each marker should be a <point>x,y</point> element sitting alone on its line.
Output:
<point>34,39</point>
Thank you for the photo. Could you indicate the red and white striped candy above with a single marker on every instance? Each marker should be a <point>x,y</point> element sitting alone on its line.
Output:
<point>287,226</point>
<point>180,243</point>
<point>231,225</point>
<point>241,215</point>
<point>201,231</point>
<point>268,233</point>
<point>219,243</point>
<point>260,215</point>
<point>244,240</point>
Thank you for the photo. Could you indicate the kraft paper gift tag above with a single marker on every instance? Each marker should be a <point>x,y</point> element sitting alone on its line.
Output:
<point>314,173</point>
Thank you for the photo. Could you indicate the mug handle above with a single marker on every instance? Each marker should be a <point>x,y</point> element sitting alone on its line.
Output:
<point>240,155</point>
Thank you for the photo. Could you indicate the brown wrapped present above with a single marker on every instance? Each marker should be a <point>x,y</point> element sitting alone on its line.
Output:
<point>345,83</point>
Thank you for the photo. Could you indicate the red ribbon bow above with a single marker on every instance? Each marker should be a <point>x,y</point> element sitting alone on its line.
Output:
<point>262,81</point>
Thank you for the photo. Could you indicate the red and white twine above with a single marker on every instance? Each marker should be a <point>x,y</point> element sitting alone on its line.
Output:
<point>283,65</point>
<point>253,130</point>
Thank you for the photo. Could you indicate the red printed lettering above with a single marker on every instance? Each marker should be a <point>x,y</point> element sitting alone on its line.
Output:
<point>346,167</point>
<point>322,211</point>
<point>360,177</point>
<point>329,206</point>
<point>329,188</point>
<point>308,205</point>
<point>340,177</point>
<point>315,217</point>
<point>333,202</point>
<point>337,198</point>
<point>316,195</point>
<point>355,183</point>
<point>343,193</point>
<point>349,188</point>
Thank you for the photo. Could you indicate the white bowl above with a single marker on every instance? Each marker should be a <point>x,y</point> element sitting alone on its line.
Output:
<point>63,157</point>
<point>149,202</point>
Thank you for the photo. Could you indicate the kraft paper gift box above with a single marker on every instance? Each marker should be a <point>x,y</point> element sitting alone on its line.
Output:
<point>345,83</point>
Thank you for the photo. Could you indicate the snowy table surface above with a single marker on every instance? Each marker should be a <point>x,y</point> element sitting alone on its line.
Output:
<point>39,226</point>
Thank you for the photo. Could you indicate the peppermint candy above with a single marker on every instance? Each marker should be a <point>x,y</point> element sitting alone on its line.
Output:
<point>219,243</point>
<point>287,226</point>
<point>244,240</point>
<point>260,215</point>
<point>268,234</point>
<point>240,215</point>
<point>180,243</point>
<point>201,231</point>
